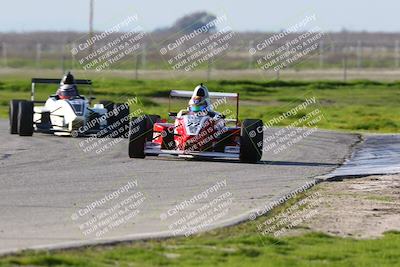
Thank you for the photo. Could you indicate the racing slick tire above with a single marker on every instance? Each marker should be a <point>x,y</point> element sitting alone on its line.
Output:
<point>123,118</point>
<point>25,118</point>
<point>13,115</point>
<point>251,141</point>
<point>151,119</point>
<point>109,105</point>
<point>45,122</point>
<point>137,137</point>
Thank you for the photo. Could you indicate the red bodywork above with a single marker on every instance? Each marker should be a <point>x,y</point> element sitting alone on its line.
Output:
<point>209,138</point>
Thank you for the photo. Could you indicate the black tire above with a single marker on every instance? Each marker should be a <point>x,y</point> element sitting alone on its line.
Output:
<point>25,118</point>
<point>137,137</point>
<point>123,118</point>
<point>13,115</point>
<point>109,105</point>
<point>251,140</point>
<point>93,121</point>
<point>151,119</point>
<point>45,121</point>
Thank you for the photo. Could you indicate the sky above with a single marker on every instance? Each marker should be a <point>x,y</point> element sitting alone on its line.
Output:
<point>57,15</point>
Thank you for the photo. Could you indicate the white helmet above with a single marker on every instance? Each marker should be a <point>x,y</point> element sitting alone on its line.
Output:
<point>200,100</point>
<point>68,88</point>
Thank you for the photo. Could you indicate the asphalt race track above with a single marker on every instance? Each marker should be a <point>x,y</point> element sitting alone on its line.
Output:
<point>47,182</point>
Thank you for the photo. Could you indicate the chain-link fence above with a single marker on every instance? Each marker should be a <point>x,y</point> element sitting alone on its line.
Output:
<point>344,50</point>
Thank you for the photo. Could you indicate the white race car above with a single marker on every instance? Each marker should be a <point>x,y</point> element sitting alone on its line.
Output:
<point>67,112</point>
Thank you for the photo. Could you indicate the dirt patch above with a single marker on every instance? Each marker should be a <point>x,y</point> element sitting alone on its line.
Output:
<point>360,207</point>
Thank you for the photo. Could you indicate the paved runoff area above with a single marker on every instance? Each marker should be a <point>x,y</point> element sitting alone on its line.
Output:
<point>62,191</point>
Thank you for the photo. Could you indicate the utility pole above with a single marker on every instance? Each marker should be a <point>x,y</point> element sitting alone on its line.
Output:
<point>144,56</point>
<point>136,66</point>
<point>396,54</point>
<point>209,66</point>
<point>63,58</point>
<point>251,43</point>
<point>321,54</point>
<point>38,54</point>
<point>91,15</point>
<point>4,52</point>
<point>344,51</point>
<point>73,57</point>
<point>359,54</point>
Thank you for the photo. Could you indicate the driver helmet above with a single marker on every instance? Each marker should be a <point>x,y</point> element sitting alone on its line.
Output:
<point>200,99</point>
<point>68,88</point>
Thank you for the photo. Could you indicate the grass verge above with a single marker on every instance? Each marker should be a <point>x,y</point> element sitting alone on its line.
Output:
<point>239,245</point>
<point>353,106</point>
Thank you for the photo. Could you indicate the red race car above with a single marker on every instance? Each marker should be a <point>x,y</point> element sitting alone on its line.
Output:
<point>198,131</point>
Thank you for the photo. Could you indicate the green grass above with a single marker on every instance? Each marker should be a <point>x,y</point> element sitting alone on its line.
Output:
<point>239,245</point>
<point>380,198</point>
<point>355,106</point>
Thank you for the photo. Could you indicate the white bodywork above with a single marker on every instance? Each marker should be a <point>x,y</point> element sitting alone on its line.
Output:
<point>194,124</point>
<point>69,115</point>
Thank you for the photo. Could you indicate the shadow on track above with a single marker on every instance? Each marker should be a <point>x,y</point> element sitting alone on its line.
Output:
<point>234,161</point>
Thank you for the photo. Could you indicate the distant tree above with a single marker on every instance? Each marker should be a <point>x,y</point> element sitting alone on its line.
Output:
<point>193,22</point>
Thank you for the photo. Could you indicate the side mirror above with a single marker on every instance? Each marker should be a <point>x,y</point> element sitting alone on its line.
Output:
<point>92,98</point>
